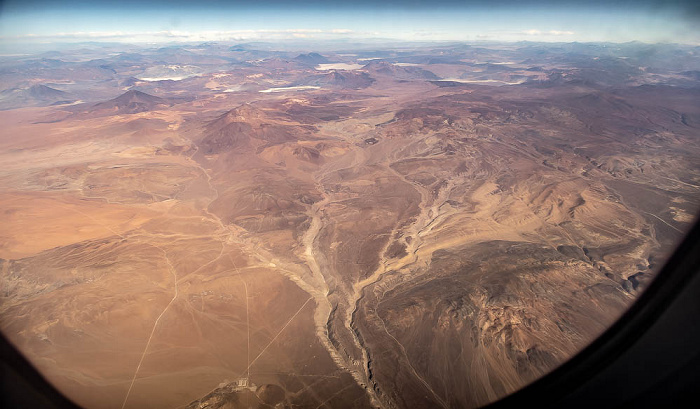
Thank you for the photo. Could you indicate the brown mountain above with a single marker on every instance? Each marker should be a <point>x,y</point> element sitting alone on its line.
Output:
<point>338,79</point>
<point>399,72</point>
<point>132,102</point>
<point>311,59</point>
<point>36,95</point>
<point>43,92</point>
<point>245,127</point>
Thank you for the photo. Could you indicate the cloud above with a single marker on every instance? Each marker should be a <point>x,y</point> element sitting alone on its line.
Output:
<point>80,34</point>
<point>535,32</point>
<point>560,33</point>
<point>300,30</point>
<point>185,36</point>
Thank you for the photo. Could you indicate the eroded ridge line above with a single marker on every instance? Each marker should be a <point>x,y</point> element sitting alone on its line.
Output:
<point>155,324</point>
<point>680,181</point>
<point>664,222</point>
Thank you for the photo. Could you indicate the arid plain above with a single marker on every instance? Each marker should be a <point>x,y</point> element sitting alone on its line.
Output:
<point>415,226</point>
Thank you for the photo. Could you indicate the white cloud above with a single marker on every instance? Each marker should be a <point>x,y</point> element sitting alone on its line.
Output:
<point>536,32</point>
<point>278,34</point>
<point>560,33</point>
<point>302,30</point>
<point>184,36</point>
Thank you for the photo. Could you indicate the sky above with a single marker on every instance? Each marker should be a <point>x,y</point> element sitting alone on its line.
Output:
<point>161,21</point>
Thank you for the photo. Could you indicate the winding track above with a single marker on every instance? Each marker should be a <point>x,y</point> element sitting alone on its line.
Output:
<point>155,325</point>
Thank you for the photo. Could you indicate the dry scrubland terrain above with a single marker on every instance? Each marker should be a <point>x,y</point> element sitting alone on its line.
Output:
<point>413,227</point>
